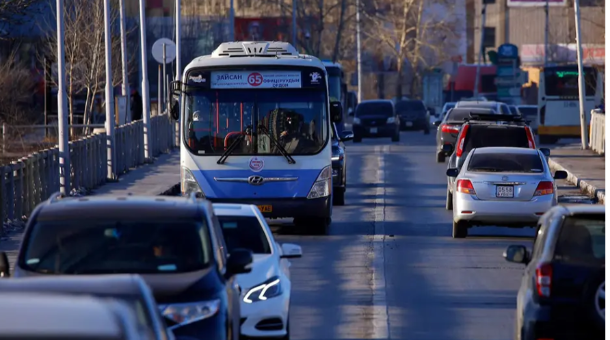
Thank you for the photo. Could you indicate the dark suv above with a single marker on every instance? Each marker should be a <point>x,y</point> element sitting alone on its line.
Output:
<point>339,162</point>
<point>563,289</point>
<point>487,130</point>
<point>376,118</point>
<point>175,243</point>
<point>413,115</point>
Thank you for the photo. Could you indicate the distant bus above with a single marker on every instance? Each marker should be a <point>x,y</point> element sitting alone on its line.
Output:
<point>558,107</point>
<point>337,88</point>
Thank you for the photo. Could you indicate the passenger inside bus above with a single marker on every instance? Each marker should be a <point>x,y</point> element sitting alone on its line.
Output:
<point>296,137</point>
<point>200,137</point>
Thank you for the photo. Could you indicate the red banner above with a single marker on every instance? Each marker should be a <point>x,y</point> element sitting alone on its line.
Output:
<point>262,29</point>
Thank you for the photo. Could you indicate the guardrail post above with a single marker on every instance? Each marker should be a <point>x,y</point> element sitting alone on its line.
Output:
<point>4,130</point>
<point>10,192</point>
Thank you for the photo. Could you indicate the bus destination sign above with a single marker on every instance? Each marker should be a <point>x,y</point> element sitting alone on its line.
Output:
<point>255,79</point>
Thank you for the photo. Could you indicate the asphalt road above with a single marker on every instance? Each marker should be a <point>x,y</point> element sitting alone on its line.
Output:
<point>390,269</point>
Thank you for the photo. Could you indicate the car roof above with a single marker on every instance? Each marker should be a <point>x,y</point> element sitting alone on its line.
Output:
<point>528,106</point>
<point>506,149</point>
<point>373,101</point>
<point>233,209</point>
<point>120,284</point>
<point>48,315</point>
<point>477,103</point>
<point>122,207</point>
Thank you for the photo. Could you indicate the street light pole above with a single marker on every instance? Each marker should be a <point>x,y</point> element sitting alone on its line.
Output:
<point>178,40</point>
<point>546,33</point>
<point>145,93</point>
<point>125,86</point>
<point>358,51</point>
<point>581,80</point>
<point>481,49</point>
<point>111,162</point>
<point>62,106</point>
<point>232,20</point>
<point>294,24</point>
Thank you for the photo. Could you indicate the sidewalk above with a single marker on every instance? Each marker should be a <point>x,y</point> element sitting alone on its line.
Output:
<point>159,178</point>
<point>585,169</point>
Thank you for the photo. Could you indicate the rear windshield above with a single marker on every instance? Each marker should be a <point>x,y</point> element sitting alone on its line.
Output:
<point>112,247</point>
<point>528,111</point>
<point>458,114</point>
<point>513,110</point>
<point>505,162</point>
<point>410,105</point>
<point>582,239</point>
<point>480,136</point>
<point>374,109</point>
<point>244,232</point>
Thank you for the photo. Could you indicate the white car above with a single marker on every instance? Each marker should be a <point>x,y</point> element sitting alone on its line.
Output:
<point>265,291</point>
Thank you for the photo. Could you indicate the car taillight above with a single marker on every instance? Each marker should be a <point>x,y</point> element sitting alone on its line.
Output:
<point>530,137</point>
<point>450,128</point>
<point>465,186</point>
<point>544,273</point>
<point>460,142</point>
<point>544,188</point>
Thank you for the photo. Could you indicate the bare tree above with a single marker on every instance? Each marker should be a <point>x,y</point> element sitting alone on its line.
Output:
<point>416,32</point>
<point>17,86</point>
<point>15,12</point>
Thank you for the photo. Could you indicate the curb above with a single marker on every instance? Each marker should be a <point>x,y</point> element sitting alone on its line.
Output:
<point>584,186</point>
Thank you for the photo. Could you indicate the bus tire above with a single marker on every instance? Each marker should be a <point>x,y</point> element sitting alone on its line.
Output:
<point>357,138</point>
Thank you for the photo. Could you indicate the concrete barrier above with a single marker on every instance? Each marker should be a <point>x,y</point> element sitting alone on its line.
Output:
<point>597,132</point>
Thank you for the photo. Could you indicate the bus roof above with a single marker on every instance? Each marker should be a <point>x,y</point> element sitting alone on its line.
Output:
<point>328,63</point>
<point>243,53</point>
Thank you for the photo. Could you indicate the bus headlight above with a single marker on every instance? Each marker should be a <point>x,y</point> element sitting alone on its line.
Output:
<point>189,184</point>
<point>323,184</point>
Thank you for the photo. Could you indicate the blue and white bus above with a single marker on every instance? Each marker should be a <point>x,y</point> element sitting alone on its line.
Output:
<point>256,128</point>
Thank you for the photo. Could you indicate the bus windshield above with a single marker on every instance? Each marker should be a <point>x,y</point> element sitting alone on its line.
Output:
<point>563,81</point>
<point>295,118</point>
<point>334,83</point>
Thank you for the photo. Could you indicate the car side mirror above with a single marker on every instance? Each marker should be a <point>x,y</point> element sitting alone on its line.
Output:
<point>336,112</point>
<point>452,172</point>
<point>516,254</point>
<point>546,151</point>
<point>560,174</point>
<point>5,266</point>
<point>347,136</point>
<point>448,148</point>
<point>291,251</point>
<point>239,260</point>
<point>437,123</point>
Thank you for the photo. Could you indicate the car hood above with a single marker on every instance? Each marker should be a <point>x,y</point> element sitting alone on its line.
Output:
<point>264,267</point>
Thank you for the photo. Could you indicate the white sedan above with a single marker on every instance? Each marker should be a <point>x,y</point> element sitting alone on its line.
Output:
<point>265,291</point>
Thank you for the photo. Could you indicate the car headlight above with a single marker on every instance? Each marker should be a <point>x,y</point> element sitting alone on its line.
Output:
<point>391,120</point>
<point>189,184</point>
<point>356,121</point>
<point>268,289</point>
<point>186,313</point>
<point>322,185</point>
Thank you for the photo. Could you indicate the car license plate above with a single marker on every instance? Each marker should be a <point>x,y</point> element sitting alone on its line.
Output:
<point>373,130</point>
<point>408,123</point>
<point>265,208</point>
<point>505,191</point>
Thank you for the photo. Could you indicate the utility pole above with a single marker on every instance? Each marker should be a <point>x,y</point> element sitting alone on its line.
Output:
<point>62,106</point>
<point>178,40</point>
<point>111,161</point>
<point>584,133</point>
<point>294,24</point>
<point>546,33</point>
<point>358,51</point>
<point>231,20</point>
<point>481,50</point>
<point>145,93</point>
<point>125,86</point>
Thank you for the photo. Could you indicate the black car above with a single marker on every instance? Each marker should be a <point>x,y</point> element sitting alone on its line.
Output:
<point>413,115</point>
<point>376,118</point>
<point>339,163</point>
<point>563,289</point>
<point>174,243</point>
<point>127,288</point>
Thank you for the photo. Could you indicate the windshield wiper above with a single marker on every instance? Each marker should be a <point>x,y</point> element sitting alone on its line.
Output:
<point>233,146</point>
<point>277,145</point>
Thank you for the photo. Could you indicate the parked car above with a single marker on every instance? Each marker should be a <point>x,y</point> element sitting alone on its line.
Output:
<point>502,186</point>
<point>499,107</point>
<point>563,288</point>
<point>265,306</point>
<point>376,118</point>
<point>128,288</point>
<point>339,164</point>
<point>44,316</point>
<point>413,115</point>
<point>174,243</point>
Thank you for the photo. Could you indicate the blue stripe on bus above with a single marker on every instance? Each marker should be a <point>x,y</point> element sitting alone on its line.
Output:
<point>218,189</point>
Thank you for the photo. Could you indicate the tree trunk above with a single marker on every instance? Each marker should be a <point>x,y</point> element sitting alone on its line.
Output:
<point>399,78</point>
<point>320,28</point>
<point>339,31</point>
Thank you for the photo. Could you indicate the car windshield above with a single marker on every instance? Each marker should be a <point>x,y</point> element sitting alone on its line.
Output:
<point>563,81</point>
<point>112,247</point>
<point>293,117</point>
<point>528,111</point>
<point>384,109</point>
<point>582,239</point>
<point>405,106</point>
<point>480,136</point>
<point>244,232</point>
<point>513,110</point>
<point>505,162</point>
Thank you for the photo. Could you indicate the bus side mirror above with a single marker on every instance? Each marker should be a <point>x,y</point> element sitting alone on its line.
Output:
<point>336,112</point>
<point>174,109</point>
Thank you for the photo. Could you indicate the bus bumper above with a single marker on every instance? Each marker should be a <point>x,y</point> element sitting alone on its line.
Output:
<point>286,207</point>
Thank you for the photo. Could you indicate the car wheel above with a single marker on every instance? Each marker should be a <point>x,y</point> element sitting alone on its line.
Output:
<point>357,139</point>
<point>396,137</point>
<point>594,299</point>
<point>440,157</point>
<point>449,200</point>
<point>426,130</point>
<point>460,229</point>
<point>339,196</point>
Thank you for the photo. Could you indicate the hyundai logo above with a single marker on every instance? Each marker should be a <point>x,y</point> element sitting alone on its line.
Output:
<point>256,180</point>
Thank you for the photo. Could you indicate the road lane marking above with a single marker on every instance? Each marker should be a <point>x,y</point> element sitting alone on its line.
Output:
<point>380,306</point>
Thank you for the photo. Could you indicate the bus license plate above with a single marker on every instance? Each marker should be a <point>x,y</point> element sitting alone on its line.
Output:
<point>373,130</point>
<point>265,208</point>
<point>505,191</point>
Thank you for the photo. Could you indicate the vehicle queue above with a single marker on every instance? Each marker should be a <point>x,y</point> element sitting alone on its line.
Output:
<point>262,144</point>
